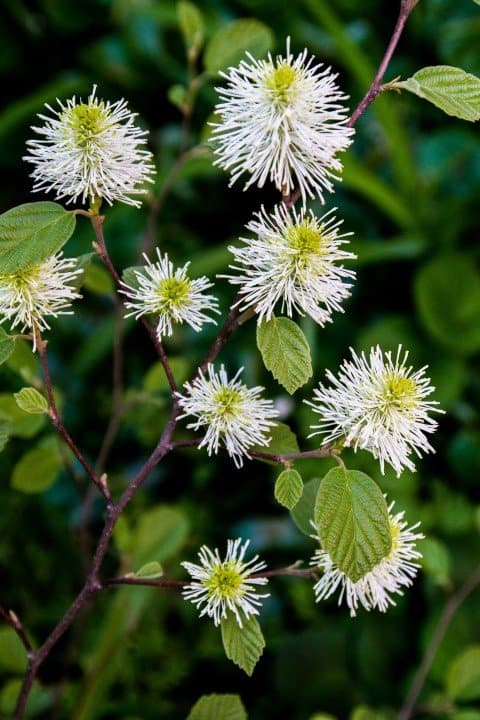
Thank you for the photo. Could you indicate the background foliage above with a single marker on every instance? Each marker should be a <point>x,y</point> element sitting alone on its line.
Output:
<point>410,194</point>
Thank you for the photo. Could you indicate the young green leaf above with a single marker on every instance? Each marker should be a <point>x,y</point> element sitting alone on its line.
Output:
<point>37,469</point>
<point>285,352</point>
<point>191,24</point>
<point>302,513</point>
<point>463,676</point>
<point>7,345</point>
<point>288,488</point>
<point>282,442</point>
<point>352,520</point>
<point>31,233</point>
<point>21,423</point>
<point>150,571</point>
<point>243,645</point>
<point>451,89</point>
<point>218,707</point>
<point>31,401</point>
<point>229,45</point>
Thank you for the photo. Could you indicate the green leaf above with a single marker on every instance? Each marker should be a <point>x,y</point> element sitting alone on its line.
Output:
<point>150,571</point>
<point>282,442</point>
<point>218,707</point>
<point>159,535</point>
<point>229,45</point>
<point>31,401</point>
<point>4,434</point>
<point>7,345</point>
<point>21,423</point>
<point>285,352</point>
<point>98,280</point>
<point>24,361</point>
<point>243,645</point>
<point>463,676</point>
<point>12,652</point>
<point>451,89</point>
<point>37,469</point>
<point>303,512</point>
<point>178,96</point>
<point>191,24</point>
<point>435,560</point>
<point>31,233</point>
<point>352,520</point>
<point>288,488</point>
<point>447,293</point>
<point>129,276</point>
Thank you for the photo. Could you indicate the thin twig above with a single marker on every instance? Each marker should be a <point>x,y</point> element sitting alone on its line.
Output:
<point>375,88</point>
<point>92,583</point>
<point>99,481</point>
<point>101,249</point>
<point>446,617</point>
<point>321,452</point>
<point>13,620</point>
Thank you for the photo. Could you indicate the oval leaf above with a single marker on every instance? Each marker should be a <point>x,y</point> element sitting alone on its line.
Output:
<point>31,401</point>
<point>288,488</point>
<point>21,423</point>
<point>229,45</point>
<point>7,345</point>
<point>31,233</point>
<point>37,470</point>
<point>285,352</point>
<point>243,645</point>
<point>191,24</point>
<point>351,516</point>
<point>463,677</point>
<point>218,707</point>
<point>451,89</point>
<point>150,571</point>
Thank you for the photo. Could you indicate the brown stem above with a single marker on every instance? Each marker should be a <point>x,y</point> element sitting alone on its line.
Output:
<point>101,249</point>
<point>92,583</point>
<point>375,88</point>
<point>446,617</point>
<point>229,326</point>
<point>321,452</point>
<point>99,481</point>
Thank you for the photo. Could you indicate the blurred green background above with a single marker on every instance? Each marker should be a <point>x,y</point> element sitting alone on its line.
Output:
<point>410,195</point>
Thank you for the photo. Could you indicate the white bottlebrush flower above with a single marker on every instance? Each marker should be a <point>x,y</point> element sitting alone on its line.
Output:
<point>232,414</point>
<point>90,150</point>
<point>293,259</point>
<point>224,586</point>
<point>171,295</point>
<point>29,296</point>
<point>282,120</point>
<point>375,589</point>
<point>378,404</point>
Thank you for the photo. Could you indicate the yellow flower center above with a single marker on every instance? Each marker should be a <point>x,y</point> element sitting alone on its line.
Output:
<point>227,401</point>
<point>86,122</point>
<point>281,81</point>
<point>400,392</point>
<point>225,581</point>
<point>172,294</point>
<point>21,280</point>
<point>306,242</point>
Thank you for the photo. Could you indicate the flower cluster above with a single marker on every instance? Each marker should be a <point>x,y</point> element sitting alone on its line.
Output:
<point>293,260</point>
<point>28,296</point>
<point>375,589</point>
<point>90,150</point>
<point>233,414</point>
<point>378,403</point>
<point>170,295</point>
<point>227,585</point>
<point>282,120</point>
